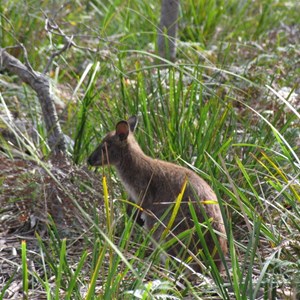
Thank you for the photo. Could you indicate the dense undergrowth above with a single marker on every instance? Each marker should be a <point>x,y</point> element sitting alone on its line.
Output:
<point>228,108</point>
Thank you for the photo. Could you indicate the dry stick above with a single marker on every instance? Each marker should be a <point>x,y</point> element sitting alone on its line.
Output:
<point>40,84</point>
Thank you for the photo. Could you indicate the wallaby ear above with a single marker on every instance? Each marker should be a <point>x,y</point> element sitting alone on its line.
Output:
<point>122,130</point>
<point>132,121</point>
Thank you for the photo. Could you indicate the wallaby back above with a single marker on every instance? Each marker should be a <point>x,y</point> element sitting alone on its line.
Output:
<point>155,185</point>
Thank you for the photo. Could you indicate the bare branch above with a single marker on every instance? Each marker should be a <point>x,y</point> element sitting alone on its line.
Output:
<point>67,45</point>
<point>52,28</point>
<point>40,84</point>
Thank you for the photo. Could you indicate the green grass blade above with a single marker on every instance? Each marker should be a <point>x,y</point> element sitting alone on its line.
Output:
<point>60,269</point>
<point>24,270</point>
<point>75,276</point>
<point>91,290</point>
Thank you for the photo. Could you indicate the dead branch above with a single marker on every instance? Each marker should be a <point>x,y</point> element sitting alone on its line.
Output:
<point>41,85</point>
<point>66,46</point>
<point>53,28</point>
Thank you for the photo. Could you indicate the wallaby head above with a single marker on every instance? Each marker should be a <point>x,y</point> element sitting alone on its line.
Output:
<point>114,144</point>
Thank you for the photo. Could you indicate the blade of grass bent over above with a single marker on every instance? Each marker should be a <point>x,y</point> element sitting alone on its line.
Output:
<point>175,210</point>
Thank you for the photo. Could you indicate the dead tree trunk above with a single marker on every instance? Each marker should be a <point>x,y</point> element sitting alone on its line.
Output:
<point>40,84</point>
<point>167,30</point>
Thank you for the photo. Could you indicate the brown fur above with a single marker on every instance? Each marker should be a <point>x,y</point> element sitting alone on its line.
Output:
<point>154,185</point>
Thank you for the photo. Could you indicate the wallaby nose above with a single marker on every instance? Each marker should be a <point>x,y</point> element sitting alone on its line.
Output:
<point>90,160</point>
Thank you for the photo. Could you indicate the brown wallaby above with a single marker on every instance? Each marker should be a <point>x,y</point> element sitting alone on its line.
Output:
<point>155,185</point>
